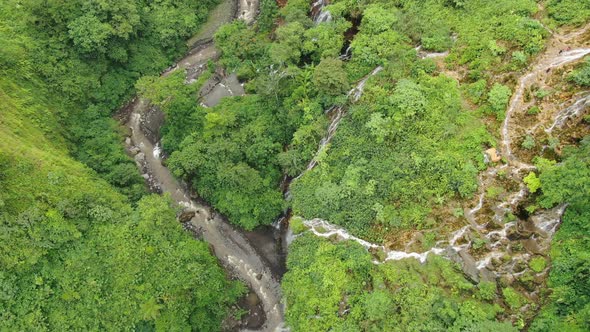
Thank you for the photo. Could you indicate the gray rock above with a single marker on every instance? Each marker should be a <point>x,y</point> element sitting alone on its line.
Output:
<point>150,122</point>
<point>487,275</point>
<point>466,262</point>
<point>186,215</point>
<point>140,157</point>
<point>469,267</point>
<point>506,280</point>
<point>134,150</point>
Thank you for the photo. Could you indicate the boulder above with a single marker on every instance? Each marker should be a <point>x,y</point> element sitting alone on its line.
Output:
<point>466,262</point>
<point>140,157</point>
<point>150,122</point>
<point>134,150</point>
<point>506,280</point>
<point>487,275</point>
<point>493,155</point>
<point>186,215</point>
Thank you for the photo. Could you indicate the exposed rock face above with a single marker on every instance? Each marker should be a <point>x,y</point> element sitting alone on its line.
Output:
<point>218,87</point>
<point>150,122</point>
<point>140,158</point>
<point>133,150</point>
<point>469,266</point>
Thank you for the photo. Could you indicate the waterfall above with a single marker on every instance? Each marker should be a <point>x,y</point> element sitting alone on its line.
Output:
<point>572,111</point>
<point>540,69</point>
<point>319,13</point>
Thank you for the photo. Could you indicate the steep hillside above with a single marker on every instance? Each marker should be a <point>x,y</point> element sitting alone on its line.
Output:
<point>75,253</point>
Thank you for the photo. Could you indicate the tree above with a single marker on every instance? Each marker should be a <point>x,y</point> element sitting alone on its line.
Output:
<point>90,34</point>
<point>377,19</point>
<point>532,182</point>
<point>289,44</point>
<point>325,40</point>
<point>329,77</point>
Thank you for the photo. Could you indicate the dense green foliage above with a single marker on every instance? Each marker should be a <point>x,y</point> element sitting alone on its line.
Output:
<point>294,75</point>
<point>581,76</point>
<point>83,248</point>
<point>568,181</point>
<point>397,154</point>
<point>75,254</point>
<point>337,287</point>
<point>90,54</point>
<point>570,12</point>
<point>232,161</point>
<point>487,36</point>
<point>94,51</point>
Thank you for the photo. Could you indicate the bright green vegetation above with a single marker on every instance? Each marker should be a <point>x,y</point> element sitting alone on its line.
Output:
<point>408,145</point>
<point>568,12</point>
<point>498,98</point>
<point>399,152</point>
<point>568,181</point>
<point>538,264</point>
<point>581,76</point>
<point>76,254</point>
<point>229,152</point>
<point>82,247</point>
<point>90,54</point>
<point>412,144</point>
<point>337,287</point>
<point>232,160</point>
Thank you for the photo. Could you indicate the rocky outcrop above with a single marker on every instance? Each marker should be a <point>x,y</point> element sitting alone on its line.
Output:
<point>150,122</point>
<point>469,266</point>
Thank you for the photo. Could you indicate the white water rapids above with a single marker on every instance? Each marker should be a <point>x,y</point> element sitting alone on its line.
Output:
<point>570,112</point>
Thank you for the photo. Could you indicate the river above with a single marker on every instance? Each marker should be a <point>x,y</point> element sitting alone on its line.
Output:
<point>231,246</point>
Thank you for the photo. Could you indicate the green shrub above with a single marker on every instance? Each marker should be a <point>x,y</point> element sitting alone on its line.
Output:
<point>581,76</point>
<point>533,110</point>
<point>541,93</point>
<point>569,11</point>
<point>296,225</point>
<point>487,290</point>
<point>528,143</point>
<point>513,299</point>
<point>532,182</point>
<point>538,264</point>
<point>494,191</point>
<point>498,98</point>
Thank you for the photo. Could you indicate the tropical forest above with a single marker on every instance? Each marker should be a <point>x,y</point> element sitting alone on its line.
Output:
<point>295,165</point>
